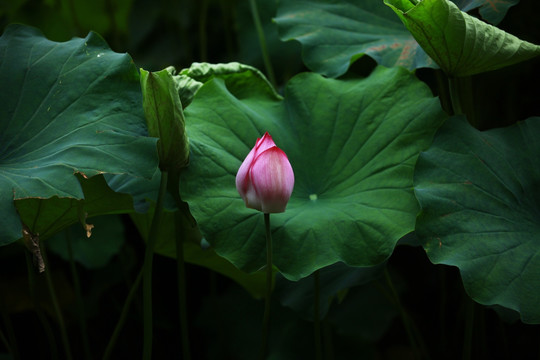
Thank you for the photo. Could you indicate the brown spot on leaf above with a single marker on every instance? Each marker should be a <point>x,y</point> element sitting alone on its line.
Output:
<point>88,228</point>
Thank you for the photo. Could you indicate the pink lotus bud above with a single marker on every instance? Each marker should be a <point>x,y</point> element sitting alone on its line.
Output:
<point>265,179</point>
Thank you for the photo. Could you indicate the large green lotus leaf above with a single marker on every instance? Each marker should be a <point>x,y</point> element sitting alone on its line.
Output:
<point>71,107</point>
<point>493,11</point>
<point>480,199</point>
<point>335,34</point>
<point>461,44</point>
<point>352,144</point>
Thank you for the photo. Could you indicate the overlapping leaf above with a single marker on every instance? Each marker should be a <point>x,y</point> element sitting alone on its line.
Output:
<point>194,253</point>
<point>480,199</point>
<point>335,34</point>
<point>461,44</point>
<point>493,11</point>
<point>352,144</point>
<point>238,77</point>
<point>72,107</point>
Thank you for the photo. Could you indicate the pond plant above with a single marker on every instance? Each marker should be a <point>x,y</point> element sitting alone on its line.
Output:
<point>395,143</point>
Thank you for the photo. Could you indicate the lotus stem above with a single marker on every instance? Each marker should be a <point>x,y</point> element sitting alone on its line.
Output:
<point>262,42</point>
<point>266,316</point>
<point>78,294</point>
<point>41,316</point>
<point>182,298</point>
<point>147,268</point>
<point>123,316</point>
<point>404,316</point>
<point>56,305</point>
<point>317,315</point>
<point>468,333</point>
<point>453,85</point>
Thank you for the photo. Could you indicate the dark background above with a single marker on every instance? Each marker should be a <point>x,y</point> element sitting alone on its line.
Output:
<point>224,320</point>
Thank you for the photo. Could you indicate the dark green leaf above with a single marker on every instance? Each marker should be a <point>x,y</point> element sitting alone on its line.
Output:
<point>493,11</point>
<point>480,199</point>
<point>66,108</point>
<point>335,34</point>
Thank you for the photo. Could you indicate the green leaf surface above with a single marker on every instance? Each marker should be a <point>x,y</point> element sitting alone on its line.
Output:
<point>480,199</point>
<point>352,145</point>
<point>71,107</point>
<point>142,190</point>
<point>335,34</point>
<point>461,44</point>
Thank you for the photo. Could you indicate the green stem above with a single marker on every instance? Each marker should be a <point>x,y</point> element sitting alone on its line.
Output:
<point>462,99</point>
<point>404,317</point>
<point>56,305</point>
<point>11,344</point>
<point>182,298</point>
<point>203,43</point>
<point>468,334</point>
<point>147,268</point>
<point>327,337</point>
<point>453,87</point>
<point>442,307</point>
<point>262,42</point>
<point>266,316</point>
<point>6,343</point>
<point>183,224</point>
<point>41,316</point>
<point>123,317</point>
<point>317,315</point>
<point>78,294</point>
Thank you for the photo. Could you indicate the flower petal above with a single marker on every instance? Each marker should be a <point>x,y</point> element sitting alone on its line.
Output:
<point>264,143</point>
<point>273,179</point>
<point>242,176</point>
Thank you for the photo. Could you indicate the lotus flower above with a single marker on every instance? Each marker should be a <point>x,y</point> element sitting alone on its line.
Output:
<point>265,179</point>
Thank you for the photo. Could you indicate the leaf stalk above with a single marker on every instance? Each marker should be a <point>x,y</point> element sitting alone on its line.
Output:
<point>266,316</point>
<point>147,268</point>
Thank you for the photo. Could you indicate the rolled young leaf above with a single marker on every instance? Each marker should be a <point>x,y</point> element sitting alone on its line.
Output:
<point>165,119</point>
<point>459,43</point>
